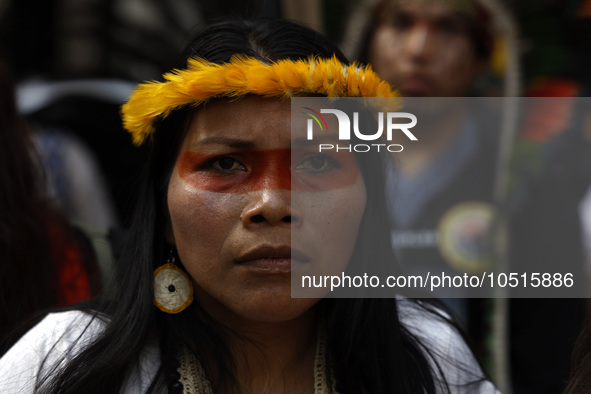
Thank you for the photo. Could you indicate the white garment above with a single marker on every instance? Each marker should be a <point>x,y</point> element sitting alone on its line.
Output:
<point>54,335</point>
<point>52,338</point>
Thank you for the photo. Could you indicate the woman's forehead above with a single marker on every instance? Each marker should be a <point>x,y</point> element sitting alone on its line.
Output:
<point>250,120</point>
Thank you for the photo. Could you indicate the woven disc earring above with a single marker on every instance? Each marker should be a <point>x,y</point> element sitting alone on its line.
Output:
<point>173,290</point>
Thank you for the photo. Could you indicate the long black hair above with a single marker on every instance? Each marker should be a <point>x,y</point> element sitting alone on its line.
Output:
<point>369,348</point>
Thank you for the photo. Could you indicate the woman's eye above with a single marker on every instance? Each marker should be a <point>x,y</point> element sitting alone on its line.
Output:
<point>227,164</point>
<point>317,164</point>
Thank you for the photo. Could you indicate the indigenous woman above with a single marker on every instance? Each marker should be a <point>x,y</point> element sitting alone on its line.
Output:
<point>202,302</point>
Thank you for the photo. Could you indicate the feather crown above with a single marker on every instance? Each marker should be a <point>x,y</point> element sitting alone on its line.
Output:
<point>243,75</point>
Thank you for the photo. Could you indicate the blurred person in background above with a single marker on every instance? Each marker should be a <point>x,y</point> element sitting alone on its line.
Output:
<point>442,194</point>
<point>440,48</point>
<point>44,262</point>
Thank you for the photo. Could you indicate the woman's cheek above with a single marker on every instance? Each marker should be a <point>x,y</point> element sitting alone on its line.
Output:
<point>201,219</point>
<point>335,206</point>
<point>330,224</point>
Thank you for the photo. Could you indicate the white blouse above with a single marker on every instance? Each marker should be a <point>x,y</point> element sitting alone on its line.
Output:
<point>60,336</point>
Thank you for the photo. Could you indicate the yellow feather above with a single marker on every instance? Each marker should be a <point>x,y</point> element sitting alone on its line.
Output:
<point>243,75</point>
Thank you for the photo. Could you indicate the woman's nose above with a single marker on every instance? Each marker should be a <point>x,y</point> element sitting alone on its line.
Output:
<point>270,206</point>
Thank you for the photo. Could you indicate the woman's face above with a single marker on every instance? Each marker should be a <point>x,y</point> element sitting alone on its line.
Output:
<point>232,209</point>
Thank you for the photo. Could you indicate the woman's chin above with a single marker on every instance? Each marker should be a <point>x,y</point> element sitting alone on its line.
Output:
<point>271,308</point>
<point>279,312</point>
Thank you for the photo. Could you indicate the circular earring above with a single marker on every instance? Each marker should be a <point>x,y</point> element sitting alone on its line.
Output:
<point>173,290</point>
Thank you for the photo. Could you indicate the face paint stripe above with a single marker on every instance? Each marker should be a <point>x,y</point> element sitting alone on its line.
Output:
<point>268,169</point>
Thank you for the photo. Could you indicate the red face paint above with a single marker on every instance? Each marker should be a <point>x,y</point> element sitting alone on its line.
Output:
<point>246,171</point>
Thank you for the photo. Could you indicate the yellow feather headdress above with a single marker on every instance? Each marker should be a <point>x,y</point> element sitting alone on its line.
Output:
<point>245,75</point>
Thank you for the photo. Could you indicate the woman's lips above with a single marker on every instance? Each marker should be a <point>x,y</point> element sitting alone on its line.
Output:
<point>269,265</point>
<point>271,259</point>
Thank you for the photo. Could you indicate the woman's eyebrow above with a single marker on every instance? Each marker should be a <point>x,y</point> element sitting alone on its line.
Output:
<point>226,141</point>
<point>322,139</point>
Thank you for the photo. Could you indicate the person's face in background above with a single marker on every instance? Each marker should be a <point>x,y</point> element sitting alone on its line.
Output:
<point>424,49</point>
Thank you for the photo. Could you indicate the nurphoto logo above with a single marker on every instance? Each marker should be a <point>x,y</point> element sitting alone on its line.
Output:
<point>391,119</point>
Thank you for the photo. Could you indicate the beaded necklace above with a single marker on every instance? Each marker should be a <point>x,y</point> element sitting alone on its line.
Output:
<point>191,378</point>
